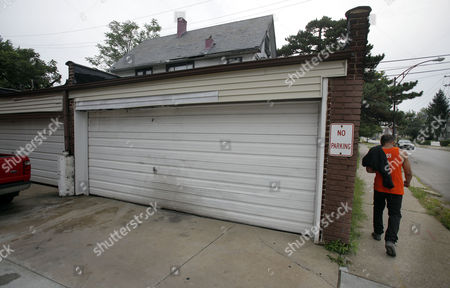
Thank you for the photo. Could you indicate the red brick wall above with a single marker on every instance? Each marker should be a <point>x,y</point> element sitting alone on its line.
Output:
<point>344,105</point>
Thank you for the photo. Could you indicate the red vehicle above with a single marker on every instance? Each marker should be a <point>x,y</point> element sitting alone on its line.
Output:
<point>15,172</point>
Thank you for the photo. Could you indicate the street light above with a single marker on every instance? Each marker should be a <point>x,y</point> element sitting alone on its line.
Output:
<point>402,77</point>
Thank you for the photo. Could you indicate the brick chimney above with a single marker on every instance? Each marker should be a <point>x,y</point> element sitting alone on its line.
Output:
<point>344,106</point>
<point>181,26</point>
<point>71,78</point>
<point>209,43</point>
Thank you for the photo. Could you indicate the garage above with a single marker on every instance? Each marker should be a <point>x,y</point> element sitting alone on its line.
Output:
<point>238,145</point>
<point>26,122</point>
<point>252,163</point>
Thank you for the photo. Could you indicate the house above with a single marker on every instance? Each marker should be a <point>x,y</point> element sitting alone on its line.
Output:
<point>233,42</point>
<point>232,142</point>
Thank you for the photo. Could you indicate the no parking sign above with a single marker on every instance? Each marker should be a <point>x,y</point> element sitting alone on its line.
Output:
<point>341,139</point>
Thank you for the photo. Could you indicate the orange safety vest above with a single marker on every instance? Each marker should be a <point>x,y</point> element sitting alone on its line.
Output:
<point>395,166</point>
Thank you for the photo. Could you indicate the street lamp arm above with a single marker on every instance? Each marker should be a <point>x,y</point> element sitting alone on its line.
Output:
<point>404,73</point>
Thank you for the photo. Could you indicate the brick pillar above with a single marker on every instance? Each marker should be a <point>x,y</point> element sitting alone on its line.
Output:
<point>344,105</point>
<point>71,76</point>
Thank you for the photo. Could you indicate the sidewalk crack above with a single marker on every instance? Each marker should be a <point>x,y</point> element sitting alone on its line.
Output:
<point>298,264</point>
<point>193,256</point>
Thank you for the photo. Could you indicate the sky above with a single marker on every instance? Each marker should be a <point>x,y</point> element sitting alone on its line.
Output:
<point>66,30</point>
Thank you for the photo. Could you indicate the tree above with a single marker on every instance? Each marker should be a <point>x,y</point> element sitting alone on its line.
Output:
<point>437,115</point>
<point>376,108</point>
<point>23,69</point>
<point>122,37</point>
<point>412,125</point>
<point>316,36</point>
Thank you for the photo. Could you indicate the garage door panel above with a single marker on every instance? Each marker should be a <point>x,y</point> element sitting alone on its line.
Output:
<point>139,163</point>
<point>280,212</point>
<point>250,138</point>
<point>209,119</point>
<point>16,133</point>
<point>276,129</point>
<point>224,109</point>
<point>236,148</point>
<point>279,200</point>
<point>219,176</point>
<point>299,194</point>
<point>27,137</point>
<point>174,155</point>
<point>185,156</point>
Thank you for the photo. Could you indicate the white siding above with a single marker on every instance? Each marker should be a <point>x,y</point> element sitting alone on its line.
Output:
<point>16,133</point>
<point>173,155</point>
<point>246,85</point>
<point>25,104</point>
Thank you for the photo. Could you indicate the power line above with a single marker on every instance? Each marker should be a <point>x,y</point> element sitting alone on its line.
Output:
<point>243,11</point>
<point>101,26</point>
<point>427,71</point>
<point>404,67</point>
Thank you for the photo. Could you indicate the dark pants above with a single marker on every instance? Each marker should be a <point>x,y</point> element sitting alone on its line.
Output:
<point>394,204</point>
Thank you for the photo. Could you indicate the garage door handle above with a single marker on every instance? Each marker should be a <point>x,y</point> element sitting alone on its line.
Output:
<point>154,170</point>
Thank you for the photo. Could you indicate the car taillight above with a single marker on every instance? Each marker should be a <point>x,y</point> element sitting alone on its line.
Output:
<point>26,167</point>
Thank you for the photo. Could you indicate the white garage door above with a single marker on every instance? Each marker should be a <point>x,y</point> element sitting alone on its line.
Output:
<point>250,163</point>
<point>16,133</point>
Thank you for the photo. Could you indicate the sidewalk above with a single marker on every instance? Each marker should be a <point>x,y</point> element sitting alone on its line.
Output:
<point>423,249</point>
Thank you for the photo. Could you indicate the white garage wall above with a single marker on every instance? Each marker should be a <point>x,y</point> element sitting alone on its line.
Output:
<point>33,103</point>
<point>173,155</point>
<point>245,85</point>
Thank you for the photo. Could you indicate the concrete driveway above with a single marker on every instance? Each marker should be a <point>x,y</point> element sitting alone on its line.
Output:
<point>53,241</point>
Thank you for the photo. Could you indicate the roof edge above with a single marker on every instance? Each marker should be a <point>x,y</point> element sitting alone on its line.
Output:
<point>270,62</point>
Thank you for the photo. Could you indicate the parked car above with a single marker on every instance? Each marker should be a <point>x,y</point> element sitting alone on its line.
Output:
<point>15,172</point>
<point>406,144</point>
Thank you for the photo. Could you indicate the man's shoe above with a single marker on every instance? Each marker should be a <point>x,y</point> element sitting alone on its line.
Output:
<point>376,236</point>
<point>390,248</point>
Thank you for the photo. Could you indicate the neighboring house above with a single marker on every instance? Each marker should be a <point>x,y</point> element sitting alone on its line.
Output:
<point>234,42</point>
<point>233,142</point>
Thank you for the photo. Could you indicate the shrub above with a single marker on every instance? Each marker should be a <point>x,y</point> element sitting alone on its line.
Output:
<point>445,143</point>
<point>426,142</point>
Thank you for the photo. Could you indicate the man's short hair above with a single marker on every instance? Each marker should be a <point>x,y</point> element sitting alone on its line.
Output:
<point>386,138</point>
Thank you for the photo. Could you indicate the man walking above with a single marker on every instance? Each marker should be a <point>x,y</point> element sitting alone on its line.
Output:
<point>392,196</point>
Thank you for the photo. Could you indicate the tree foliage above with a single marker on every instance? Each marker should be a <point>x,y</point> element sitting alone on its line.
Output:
<point>377,105</point>
<point>316,36</point>
<point>22,69</point>
<point>437,115</point>
<point>412,124</point>
<point>120,39</point>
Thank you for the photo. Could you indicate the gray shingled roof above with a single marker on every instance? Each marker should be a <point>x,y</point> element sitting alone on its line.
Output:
<point>235,36</point>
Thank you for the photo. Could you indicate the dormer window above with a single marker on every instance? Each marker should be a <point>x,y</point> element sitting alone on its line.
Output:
<point>180,66</point>
<point>232,60</point>
<point>144,71</point>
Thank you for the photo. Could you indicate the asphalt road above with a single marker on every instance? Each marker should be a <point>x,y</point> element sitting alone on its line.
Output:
<point>432,166</point>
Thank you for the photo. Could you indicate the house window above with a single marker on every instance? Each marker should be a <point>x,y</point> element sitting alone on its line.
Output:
<point>234,60</point>
<point>144,71</point>
<point>180,66</point>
